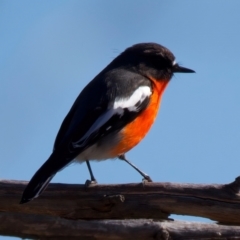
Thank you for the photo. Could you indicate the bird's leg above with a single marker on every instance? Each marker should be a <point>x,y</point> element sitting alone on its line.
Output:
<point>145,176</point>
<point>93,179</point>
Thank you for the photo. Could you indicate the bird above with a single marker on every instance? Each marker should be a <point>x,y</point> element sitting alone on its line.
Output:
<point>112,114</point>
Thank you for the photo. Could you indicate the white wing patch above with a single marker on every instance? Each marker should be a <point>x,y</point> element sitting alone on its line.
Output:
<point>131,103</point>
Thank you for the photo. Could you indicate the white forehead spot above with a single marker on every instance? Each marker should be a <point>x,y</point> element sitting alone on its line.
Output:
<point>138,96</point>
<point>174,63</point>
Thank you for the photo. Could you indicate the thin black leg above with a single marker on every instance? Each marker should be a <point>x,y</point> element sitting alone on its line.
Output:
<point>93,179</point>
<point>145,176</point>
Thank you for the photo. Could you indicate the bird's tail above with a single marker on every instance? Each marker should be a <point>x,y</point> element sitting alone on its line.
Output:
<point>41,179</point>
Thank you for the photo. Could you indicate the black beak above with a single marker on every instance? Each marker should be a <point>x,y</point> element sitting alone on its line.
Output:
<point>179,69</point>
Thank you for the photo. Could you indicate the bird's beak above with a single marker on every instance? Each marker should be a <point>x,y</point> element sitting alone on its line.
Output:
<point>179,69</point>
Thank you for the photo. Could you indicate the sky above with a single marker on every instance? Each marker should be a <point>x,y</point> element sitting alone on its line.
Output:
<point>49,50</point>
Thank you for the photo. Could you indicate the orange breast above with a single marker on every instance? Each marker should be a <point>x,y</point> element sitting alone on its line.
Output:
<point>135,131</point>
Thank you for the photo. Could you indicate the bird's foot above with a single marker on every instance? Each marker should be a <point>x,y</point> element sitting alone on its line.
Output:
<point>146,179</point>
<point>89,183</point>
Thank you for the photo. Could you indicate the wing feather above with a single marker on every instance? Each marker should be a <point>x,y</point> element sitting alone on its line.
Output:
<point>114,119</point>
<point>103,107</point>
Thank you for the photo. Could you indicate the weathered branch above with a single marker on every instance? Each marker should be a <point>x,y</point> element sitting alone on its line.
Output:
<point>57,212</point>
<point>127,201</point>
<point>49,227</point>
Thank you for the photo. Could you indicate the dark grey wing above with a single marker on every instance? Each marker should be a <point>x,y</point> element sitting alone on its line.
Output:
<point>112,120</point>
<point>104,106</point>
<point>122,110</point>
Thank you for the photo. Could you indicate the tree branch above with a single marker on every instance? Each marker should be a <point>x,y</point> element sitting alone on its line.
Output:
<point>49,227</point>
<point>127,201</point>
<point>57,212</point>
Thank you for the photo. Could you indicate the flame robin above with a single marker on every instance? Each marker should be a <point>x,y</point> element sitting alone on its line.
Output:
<point>112,114</point>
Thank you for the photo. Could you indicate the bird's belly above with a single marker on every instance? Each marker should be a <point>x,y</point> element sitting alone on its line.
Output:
<point>100,150</point>
<point>123,141</point>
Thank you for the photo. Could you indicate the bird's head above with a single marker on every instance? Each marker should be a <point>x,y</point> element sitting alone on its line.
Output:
<point>151,60</point>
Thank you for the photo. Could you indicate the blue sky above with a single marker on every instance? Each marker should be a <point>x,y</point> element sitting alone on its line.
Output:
<point>49,50</point>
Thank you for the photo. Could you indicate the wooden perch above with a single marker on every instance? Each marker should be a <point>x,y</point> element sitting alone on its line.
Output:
<point>62,205</point>
<point>149,200</point>
<point>47,227</point>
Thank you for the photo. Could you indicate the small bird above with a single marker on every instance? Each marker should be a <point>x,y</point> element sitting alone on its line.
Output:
<point>112,114</point>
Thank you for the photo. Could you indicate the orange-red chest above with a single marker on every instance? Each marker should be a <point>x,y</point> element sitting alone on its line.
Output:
<point>135,131</point>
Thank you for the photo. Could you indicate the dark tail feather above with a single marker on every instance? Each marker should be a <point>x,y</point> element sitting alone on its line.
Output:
<point>35,187</point>
<point>41,178</point>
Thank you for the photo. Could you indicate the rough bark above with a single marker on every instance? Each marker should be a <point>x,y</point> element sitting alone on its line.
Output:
<point>59,209</point>
<point>48,227</point>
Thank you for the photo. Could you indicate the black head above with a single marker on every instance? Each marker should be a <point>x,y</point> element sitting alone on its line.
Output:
<point>150,59</point>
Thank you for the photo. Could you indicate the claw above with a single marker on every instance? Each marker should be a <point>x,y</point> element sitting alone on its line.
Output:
<point>89,183</point>
<point>147,179</point>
